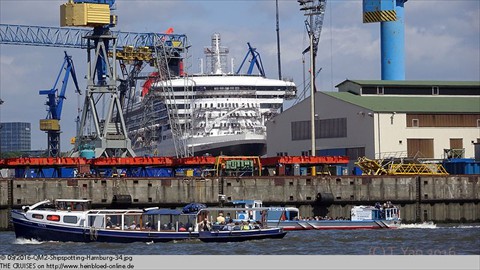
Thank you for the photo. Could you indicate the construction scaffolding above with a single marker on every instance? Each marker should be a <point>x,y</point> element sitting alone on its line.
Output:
<point>398,167</point>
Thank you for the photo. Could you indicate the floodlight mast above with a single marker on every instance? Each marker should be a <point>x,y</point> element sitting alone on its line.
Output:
<point>314,10</point>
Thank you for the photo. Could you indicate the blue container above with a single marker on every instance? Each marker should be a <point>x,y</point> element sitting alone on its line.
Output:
<point>66,173</point>
<point>462,166</point>
<point>160,172</point>
<point>357,171</point>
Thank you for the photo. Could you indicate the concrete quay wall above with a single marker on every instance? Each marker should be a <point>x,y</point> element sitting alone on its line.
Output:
<point>421,198</point>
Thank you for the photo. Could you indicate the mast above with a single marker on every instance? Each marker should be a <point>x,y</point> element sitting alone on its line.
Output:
<point>278,43</point>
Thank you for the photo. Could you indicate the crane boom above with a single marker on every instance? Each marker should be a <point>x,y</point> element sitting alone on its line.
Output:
<point>255,60</point>
<point>54,102</point>
<point>67,37</point>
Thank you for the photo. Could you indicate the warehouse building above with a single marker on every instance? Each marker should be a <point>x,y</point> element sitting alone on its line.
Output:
<point>382,119</point>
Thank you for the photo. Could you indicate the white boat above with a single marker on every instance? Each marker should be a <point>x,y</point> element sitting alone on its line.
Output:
<point>216,113</point>
<point>386,216</point>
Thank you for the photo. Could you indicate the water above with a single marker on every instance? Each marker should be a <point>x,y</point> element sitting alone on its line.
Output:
<point>421,239</point>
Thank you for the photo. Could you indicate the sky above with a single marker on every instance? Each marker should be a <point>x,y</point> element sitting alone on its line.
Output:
<point>442,42</point>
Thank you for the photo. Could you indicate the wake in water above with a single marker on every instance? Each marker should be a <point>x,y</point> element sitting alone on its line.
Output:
<point>22,241</point>
<point>424,225</point>
<point>467,227</point>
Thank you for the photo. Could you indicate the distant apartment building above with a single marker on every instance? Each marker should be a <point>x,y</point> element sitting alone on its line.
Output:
<point>15,137</point>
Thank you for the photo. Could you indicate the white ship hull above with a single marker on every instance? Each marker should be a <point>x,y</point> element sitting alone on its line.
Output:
<point>230,145</point>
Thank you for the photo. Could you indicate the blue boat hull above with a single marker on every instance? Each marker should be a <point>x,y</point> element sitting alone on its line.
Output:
<point>46,232</point>
<point>241,235</point>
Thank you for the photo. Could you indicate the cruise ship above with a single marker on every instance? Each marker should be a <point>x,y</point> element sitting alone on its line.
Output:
<point>212,113</point>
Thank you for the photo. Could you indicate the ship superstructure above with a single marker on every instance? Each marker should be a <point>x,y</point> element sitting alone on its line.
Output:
<point>217,112</point>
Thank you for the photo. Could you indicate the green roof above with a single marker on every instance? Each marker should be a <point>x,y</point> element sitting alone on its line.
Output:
<point>411,103</point>
<point>413,83</point>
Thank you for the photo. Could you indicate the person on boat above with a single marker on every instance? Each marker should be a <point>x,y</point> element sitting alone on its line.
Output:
<point>229,227</point>
<point>228,218</point>
<point>220,218</point>
<point>245,226</point>
<point>133,226</point>
<point>205,225</point>
<point>237,226</point>
<point>109,223</point>
<point>148,225</point>
<point>188,226</point>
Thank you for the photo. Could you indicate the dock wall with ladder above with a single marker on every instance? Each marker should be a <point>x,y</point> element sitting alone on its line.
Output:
<point>421,198</point>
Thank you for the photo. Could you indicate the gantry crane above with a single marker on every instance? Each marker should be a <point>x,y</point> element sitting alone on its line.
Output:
<point>133,53</point>
<point>109,137</point>
<point>54,102</point>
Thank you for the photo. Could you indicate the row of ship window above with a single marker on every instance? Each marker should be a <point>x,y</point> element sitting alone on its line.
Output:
<point>66,219</point>
<point>235,96</point>
<point>228,105</point>
<point>223,133</point>
<point>233,125</point>
<point>257,88</point>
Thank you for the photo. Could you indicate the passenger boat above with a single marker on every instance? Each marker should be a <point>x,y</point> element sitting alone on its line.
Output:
<point>73,220</point>
<point>386,216</point>
<point>235,230</point>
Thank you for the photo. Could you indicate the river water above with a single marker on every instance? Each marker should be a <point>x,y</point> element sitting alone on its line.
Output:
<point>416,239</point>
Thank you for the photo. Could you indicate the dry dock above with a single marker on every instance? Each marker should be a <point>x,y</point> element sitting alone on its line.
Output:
<point>421,198</point>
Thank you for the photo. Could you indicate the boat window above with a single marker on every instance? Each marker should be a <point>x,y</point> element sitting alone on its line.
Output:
<point>96,221</point>
<point>70,219</point>
<point>37,216</point>
<point>53,217</point>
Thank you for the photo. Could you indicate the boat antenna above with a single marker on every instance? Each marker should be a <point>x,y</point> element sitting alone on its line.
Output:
<point>278,43</point>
